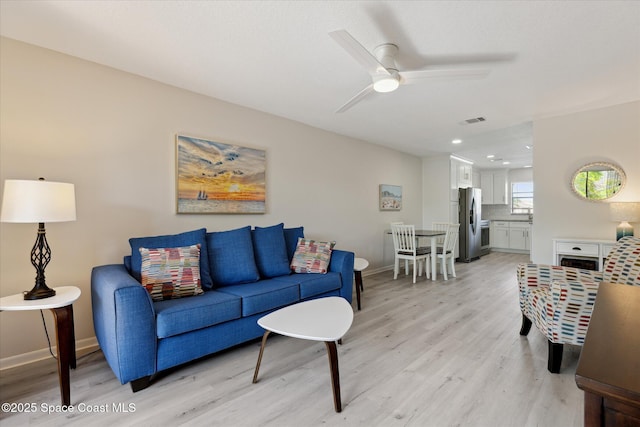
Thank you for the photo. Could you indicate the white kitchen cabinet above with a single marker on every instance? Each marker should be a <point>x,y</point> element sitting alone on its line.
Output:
<point>461,176</point>
<point>499,236</point>
<point>510,235</point>
<point>519,236</point>
<point>465,175</point>
<point>486,185</point>
<point>500,188</point>
<point>494,187</point>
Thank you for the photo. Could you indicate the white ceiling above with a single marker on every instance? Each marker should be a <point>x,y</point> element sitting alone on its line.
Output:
<point>546,58</point>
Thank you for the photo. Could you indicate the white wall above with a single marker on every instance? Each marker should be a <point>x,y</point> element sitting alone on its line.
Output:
<point>112,134</point>
<point>561,146</point>
<point>436,189</point>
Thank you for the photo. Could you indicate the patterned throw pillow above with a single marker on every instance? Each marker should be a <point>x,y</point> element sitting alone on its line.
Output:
<point>312,256</point>
<point>169,273</point>
<point>187,238</point>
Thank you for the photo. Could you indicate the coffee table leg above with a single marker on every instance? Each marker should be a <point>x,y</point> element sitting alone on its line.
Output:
<point>332,351</point>
<point>264,341</point>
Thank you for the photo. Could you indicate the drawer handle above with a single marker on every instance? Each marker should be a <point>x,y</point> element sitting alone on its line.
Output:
<point>576,248</point>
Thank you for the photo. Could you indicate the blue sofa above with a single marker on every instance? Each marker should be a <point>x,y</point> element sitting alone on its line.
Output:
<point>245,274</point>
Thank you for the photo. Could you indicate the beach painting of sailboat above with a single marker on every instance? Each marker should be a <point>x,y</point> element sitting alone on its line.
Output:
<point>219,177</point>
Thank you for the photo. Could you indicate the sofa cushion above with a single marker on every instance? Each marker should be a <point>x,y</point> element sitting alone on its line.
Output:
<point>264,295</point>
<point>170,273</point>
<point>313,284</point>
<point>270,251</point>
<point>312,256</point>
<point>173,241</point>
<point>291,236</point>
<point>231,257</point>
<point>178,316</point>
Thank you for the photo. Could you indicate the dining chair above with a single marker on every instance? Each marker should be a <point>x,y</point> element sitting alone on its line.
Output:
<point>440,226</point>
<point>404,243</point>
<point>395,247</point>
<point>447,253</point>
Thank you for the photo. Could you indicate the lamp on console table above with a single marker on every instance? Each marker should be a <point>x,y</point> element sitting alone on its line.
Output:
<point>38,202</point>
<point>624,213</point>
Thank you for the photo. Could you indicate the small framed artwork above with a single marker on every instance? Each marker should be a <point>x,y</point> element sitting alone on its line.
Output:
<point>390,197</point>
<point>216,177</point>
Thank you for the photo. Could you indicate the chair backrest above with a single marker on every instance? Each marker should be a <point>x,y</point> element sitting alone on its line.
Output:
<point>451,238</point>
<point>394,235</point>
<point>623,262</point>
<point>404,238</point>
<point>440,226</point>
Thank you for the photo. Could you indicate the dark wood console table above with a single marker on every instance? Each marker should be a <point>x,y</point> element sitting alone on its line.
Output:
<point>609,366</point>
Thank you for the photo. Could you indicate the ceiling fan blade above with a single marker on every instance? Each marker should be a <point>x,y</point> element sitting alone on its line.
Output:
<point>358,52</point>
<point>350,103</point>
<point>409,77</point>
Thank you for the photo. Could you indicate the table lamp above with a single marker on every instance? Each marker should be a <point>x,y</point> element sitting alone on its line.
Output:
<point>624,213</point>
<point>39,201</point>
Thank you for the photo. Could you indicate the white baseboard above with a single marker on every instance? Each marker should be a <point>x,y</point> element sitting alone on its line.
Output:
<point>369,272</point>
<point>84,346</point>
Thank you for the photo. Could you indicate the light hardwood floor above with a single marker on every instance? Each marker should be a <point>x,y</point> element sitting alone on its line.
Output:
<point>430,354</point>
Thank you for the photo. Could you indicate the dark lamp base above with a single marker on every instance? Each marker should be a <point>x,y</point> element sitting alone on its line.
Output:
<point>39,293</point>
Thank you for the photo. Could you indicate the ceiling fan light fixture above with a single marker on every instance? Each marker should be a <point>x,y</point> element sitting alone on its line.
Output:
<point>385,84</point>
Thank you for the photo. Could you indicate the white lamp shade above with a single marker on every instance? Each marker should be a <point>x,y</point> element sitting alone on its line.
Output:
<point>625,211</point>
<point>38,201</point>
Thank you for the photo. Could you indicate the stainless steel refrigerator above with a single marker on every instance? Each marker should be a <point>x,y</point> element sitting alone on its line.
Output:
<point>469,214</point>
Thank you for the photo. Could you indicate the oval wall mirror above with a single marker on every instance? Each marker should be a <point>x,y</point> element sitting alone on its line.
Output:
<point>598,181</point>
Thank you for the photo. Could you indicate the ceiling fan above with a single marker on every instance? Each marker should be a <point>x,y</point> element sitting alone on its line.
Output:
<point>381,65</point>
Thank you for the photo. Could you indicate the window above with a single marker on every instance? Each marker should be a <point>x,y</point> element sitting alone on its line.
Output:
<point>522,198</point>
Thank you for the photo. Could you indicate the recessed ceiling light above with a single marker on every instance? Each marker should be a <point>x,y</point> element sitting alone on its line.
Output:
<point>456,141</point>
<point>527,166</point>
<point>529,147</point>
<point>506,163</point>
<point>490,156</point>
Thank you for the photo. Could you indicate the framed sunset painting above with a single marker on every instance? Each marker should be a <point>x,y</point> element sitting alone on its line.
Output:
<point>216,177</point>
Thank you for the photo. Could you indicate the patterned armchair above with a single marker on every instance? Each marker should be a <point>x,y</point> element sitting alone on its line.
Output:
<point>559,300</point>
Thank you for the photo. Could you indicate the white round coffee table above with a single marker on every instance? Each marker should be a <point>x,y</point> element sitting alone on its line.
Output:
<point>322,319</point>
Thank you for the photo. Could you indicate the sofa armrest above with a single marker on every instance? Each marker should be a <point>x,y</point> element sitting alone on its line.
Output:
<point>570,304</point>
<point>531,276</point>
<point>124,322</point>
<point>342,262</point>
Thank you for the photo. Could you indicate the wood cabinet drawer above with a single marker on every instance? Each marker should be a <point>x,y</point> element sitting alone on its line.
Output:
<point>500,223</point>
<point>584,249</point>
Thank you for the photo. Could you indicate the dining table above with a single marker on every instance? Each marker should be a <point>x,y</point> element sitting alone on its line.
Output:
<point>432,235</point>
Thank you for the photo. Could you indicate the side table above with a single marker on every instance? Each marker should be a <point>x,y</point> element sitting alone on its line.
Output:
<point>61,305</point>
<point>359,264</point>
